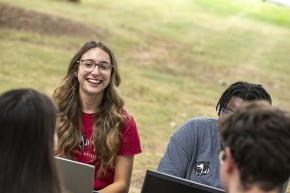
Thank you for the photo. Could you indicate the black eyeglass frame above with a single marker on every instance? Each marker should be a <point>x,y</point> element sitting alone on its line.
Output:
<point>110,66</point>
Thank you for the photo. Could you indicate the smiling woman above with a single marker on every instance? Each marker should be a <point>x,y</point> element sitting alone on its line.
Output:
<point>93,125</point>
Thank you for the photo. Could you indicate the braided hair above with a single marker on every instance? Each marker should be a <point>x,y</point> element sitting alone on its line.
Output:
<point>244,90</point>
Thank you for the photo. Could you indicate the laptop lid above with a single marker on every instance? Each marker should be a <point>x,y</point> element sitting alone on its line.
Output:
<point>76,177</point>
<point>157,182</point>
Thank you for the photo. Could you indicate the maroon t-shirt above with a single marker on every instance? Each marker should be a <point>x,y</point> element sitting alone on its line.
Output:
<point>85,152</point>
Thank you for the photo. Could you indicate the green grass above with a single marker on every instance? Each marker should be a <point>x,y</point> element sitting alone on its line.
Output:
<point>265,12</point>
<point>176,57</point>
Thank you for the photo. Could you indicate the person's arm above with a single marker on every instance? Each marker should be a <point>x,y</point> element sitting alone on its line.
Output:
<point>122,178</point>
<point>175,160</point>
<point>179,152</point>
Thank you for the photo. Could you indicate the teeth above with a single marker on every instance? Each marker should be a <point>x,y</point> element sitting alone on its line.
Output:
<point>94,81</point>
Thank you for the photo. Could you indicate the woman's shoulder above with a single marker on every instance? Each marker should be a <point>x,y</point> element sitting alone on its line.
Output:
<point>128,116</point>
<point>129,121</point>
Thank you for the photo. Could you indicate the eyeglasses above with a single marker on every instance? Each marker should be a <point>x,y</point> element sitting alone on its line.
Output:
<point>90,65</point>
<point>225,110</point>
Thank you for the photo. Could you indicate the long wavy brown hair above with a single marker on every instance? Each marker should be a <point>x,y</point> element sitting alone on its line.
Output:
<point>111,117</point>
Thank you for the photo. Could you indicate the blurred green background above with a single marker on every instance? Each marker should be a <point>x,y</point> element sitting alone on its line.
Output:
<point>176,56</point>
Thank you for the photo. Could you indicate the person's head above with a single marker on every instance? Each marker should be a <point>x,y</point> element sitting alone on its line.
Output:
<point>239,92</point>
<point>27,124</point>
<point>256,152</point>
<point>94,64</point>
<point>93,71</point>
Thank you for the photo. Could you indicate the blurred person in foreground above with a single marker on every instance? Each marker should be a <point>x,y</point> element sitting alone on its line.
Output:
<point>255,157</point>
<point>192,152</point>
<point>27,124</point>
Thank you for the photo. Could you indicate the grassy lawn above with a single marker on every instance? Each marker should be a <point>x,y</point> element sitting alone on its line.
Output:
<point>176,57</point>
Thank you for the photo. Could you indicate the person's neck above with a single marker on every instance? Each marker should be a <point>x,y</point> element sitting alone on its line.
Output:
<point>90,103</point>
<point>235,187</point>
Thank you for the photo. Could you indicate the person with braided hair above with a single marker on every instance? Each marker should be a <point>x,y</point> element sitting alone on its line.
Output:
<point>192,152</point>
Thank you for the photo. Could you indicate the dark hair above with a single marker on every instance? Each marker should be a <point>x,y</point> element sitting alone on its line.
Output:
<point>27,120</point>
<point>258,136</point>
<point>244,90</point>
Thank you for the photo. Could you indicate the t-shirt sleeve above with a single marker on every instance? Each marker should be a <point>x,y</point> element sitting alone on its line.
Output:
<point>178,153</point>
<point>130,143</point>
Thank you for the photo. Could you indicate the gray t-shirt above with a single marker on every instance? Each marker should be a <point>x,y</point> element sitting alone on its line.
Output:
<point>192,152</point>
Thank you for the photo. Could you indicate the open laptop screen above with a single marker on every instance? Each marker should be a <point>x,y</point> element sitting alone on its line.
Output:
<point>157,182</point>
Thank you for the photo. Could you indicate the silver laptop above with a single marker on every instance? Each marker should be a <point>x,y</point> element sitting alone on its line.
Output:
<point>76,177</point>
<point>157,182</point>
